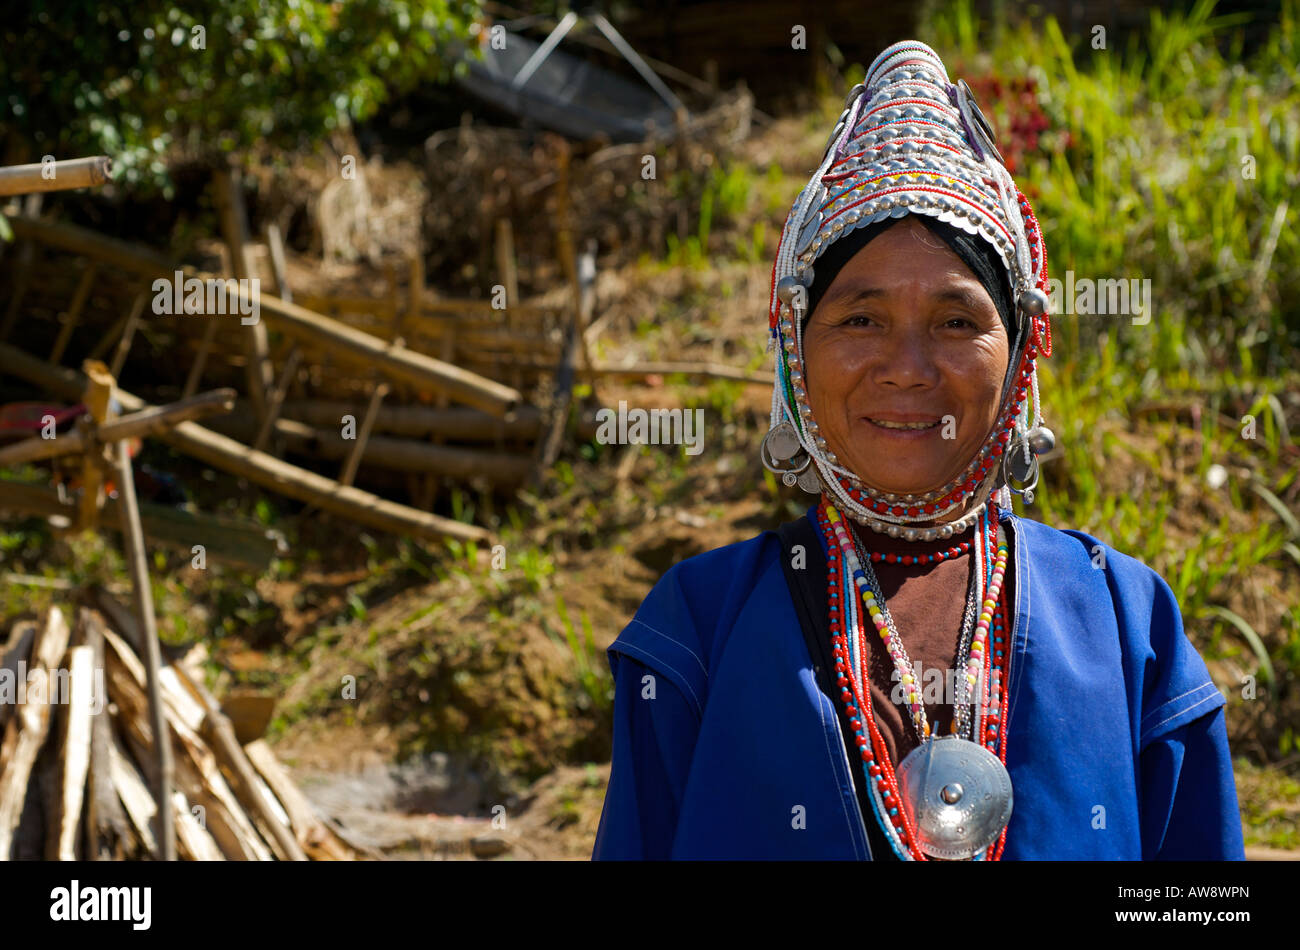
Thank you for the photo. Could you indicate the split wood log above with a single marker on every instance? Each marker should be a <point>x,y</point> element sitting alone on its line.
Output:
<point>192,839</point>
<point>108,835</point>
<point>25,733</point>
<point>73,753</point>
<point>18,649</point>
<point>201,714</point>
<point>134,794</point>
<point>197,775</point>
<point>230,456</point>
<point>318,838</point>
<point>56,176</point>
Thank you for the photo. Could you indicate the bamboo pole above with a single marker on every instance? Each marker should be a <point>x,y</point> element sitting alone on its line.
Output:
<point>79,298</point>
<point>98,392</point>
<point>402,455</point>
<point>276,402</point>
<point>128,334</point>
<point>146,422</point>
<point>205,345</point>
<point>56,176</point>
<point>363,436</point>
<point>454,422</point>
<point>133,541</point>
<point>234,228</point>
<point>230,456</point>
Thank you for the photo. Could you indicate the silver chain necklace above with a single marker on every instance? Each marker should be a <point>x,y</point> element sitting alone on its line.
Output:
<point>962,721</point>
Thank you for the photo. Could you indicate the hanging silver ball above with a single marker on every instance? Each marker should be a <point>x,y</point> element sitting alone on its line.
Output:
<point>1033,302</point>
<point>892,531</point>
<point>785,289</point>
<point>910,534</point>
<point>1042,440</point>
<point>945,531</point>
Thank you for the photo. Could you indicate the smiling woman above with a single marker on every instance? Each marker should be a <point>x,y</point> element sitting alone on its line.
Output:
<point>766,705</point>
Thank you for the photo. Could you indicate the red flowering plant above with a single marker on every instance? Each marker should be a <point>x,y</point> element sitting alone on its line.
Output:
<point>1014,108</point>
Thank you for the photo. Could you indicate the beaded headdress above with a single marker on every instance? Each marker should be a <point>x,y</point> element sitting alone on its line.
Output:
<point>909,141</point>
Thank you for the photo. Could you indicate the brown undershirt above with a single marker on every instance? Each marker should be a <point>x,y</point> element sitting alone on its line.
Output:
<point>927,603</point>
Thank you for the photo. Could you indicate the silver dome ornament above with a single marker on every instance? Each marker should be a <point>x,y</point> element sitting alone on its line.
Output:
<point>1033,302</point>
<point>1041,440</point>
<point>958,795</point>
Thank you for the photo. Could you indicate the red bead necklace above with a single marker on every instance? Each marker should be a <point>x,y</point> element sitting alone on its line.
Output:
<point>855,689</point>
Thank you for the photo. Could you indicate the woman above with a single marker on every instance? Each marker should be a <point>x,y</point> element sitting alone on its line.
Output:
<point>911,671</point>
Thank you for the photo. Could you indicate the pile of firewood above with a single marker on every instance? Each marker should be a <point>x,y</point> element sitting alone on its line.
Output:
<point>78,759</point>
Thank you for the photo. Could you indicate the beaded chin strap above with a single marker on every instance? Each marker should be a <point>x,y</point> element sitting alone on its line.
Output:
<point>909,141</point>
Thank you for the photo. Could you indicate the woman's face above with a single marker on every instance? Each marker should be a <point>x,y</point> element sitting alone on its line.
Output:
<point>905,334</point>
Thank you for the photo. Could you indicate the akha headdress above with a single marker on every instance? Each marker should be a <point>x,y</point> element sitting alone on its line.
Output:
<point>909,141</point>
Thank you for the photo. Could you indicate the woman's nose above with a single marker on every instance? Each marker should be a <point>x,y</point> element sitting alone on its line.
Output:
<point>905,359</point>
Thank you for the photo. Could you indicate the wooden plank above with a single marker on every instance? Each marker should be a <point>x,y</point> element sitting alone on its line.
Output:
<point>276,399</point>
<point>25,733</point>
<point>96,395</point>
<point>231,456</point>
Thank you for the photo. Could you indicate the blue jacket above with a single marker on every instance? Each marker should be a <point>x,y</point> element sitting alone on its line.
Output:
<point>725,747</point>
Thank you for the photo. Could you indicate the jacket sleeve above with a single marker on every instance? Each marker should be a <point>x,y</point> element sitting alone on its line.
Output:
<point>654,737</point>
<point>1189,798</point>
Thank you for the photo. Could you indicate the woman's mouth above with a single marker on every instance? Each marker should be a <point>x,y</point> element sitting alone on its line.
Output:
<point>888,424</point>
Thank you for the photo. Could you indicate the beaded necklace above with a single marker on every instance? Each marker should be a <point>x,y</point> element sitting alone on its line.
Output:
<point>845,588</point>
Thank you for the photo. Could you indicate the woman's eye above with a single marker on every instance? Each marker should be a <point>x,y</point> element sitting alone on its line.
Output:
<point>966,321</point>
<point>857,320</point>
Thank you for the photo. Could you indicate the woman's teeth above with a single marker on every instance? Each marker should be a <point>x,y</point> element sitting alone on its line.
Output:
<point>904,425</point>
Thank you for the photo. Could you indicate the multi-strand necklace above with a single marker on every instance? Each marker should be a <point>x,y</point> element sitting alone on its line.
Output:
<point>951,797</point>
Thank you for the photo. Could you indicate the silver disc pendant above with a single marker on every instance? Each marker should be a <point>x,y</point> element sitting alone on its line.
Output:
<point>783,442</point>
<point>958,795</point>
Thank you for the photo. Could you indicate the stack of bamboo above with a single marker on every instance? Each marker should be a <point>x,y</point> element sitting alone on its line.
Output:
<point>78,758</point>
